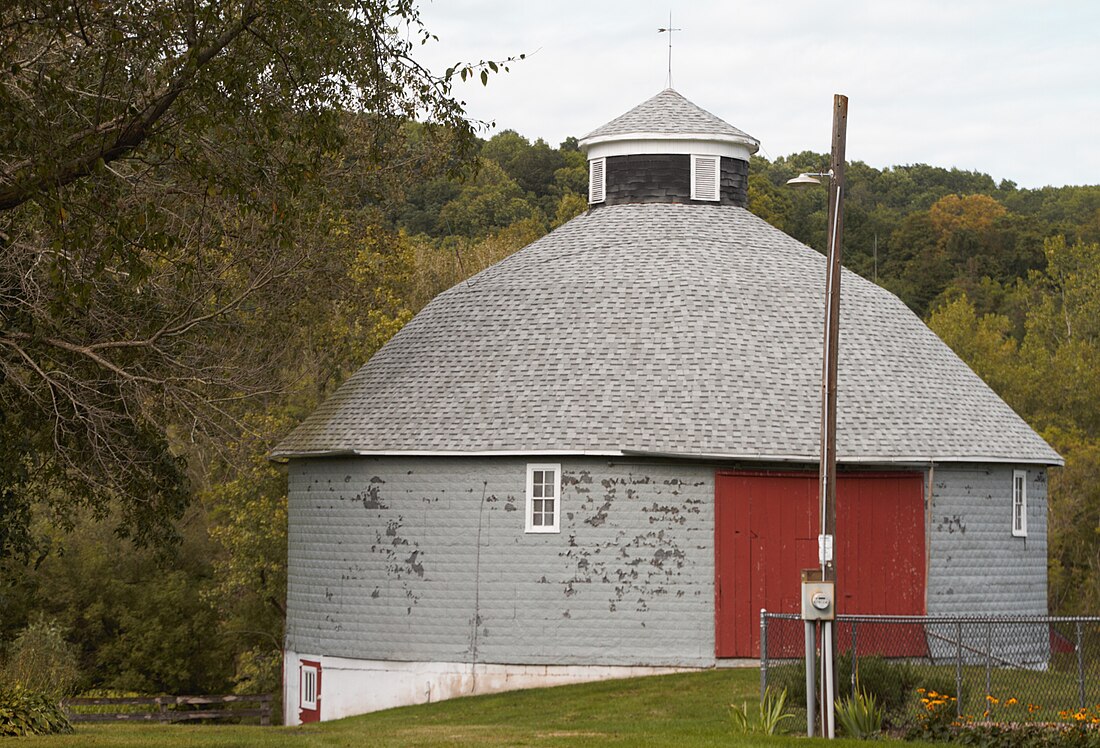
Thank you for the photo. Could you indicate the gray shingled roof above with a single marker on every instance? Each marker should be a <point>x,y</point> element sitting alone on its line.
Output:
<point>679,329</point>
<point>669,113</point>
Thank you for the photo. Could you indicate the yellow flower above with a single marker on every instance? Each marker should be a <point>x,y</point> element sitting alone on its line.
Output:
<point>1012,701</point>
<point>920,690</point>
<point>992,700</point>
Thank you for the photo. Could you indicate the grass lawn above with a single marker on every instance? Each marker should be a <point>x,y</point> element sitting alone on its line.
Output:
<point>689,709</point>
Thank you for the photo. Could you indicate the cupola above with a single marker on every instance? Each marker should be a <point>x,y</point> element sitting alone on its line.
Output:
<point>668,150</point>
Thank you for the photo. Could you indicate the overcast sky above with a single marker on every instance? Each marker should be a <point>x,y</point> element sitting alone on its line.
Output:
<point>1004,87</point>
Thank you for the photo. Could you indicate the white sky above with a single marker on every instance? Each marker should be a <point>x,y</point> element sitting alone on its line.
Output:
<point>1005,87</point>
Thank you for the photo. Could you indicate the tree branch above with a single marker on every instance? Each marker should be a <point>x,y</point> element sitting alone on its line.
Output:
<point>26,179</point>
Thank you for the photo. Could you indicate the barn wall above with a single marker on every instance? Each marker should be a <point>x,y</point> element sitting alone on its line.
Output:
<point>426,559</point>
<point>976,565</point>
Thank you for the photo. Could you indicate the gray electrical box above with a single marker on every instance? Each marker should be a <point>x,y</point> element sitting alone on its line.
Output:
<point>818,598</point>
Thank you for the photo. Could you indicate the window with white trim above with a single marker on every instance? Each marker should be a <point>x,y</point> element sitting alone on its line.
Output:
<point>308,692</point>
<point>543,497</point>
<point>597,180</point>
<point>704,177</point>
<point>1019,503</point>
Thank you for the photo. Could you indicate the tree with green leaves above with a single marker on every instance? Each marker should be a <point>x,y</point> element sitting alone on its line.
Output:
<point>1051,377</point>
<point>166,172</point>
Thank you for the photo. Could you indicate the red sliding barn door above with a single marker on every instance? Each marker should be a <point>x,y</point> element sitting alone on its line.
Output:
<point>766,527</point>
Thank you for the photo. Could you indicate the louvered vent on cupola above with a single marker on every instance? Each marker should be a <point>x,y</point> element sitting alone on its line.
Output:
<point>704,177</point>
<point>597,180</point>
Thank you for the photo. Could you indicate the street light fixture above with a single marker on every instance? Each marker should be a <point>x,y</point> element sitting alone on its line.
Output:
<point>809,179</point>
<point>827,460</point>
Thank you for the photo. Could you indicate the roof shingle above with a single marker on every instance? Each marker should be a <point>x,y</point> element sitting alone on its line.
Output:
<point>666,328</point>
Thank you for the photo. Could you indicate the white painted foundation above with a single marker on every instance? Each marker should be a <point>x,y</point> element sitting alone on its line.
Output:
<point>350,687</point>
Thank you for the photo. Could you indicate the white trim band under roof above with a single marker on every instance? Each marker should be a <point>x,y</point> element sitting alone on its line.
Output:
<point>685,146</point>
<point>854,459</point>
<point>752,143</point>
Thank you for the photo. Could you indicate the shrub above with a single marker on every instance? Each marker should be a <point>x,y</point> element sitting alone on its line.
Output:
<point>791,680</point>
<point>27,712</point>
<point>42,661</point>
<point>889,683</point>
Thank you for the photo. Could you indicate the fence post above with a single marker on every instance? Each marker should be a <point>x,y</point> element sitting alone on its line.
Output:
<point>989,657</point>
<point>958,668</point>
<point>855,660</point>
<point>162,710</point>
<point>265,710</point>
<point>763,653</point>
<point>1080,669</point>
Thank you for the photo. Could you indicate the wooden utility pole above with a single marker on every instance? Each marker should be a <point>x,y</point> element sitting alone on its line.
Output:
<point>827,466</point>
<point>832,325</point>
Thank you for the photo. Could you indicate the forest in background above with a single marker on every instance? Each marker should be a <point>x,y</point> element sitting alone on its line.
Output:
<point>171,578</point>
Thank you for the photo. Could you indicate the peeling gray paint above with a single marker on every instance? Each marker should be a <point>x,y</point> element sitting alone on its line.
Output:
<point>976,566</point>
<point>427,559</point>
<point>634,554</point>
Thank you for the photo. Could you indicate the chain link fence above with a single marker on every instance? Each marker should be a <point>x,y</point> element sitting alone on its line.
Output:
<point>1002,669</point>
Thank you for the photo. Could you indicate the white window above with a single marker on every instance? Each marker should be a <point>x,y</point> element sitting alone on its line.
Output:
<point>1019,503</point>
<point>704,177</point>
<point>308,692</point>
<point>597,180</point>
<point>543,498</point>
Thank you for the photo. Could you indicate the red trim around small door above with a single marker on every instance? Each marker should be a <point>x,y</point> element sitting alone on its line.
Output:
<point>306,668</point>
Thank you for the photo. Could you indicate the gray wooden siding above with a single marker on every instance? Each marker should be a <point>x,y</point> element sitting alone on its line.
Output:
<point>666,178</point>
<point>427,560</point>
<point>977,566</point>
<point>417,559</point>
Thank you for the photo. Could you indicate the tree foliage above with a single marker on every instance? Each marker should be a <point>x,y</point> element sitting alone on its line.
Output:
<point>1050,374</point>
<point>165,172</point>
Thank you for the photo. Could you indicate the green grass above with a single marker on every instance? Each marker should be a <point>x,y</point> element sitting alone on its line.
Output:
<point>690,709</point>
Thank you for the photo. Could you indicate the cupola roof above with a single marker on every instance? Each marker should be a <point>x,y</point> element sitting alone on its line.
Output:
<point>669,115</point>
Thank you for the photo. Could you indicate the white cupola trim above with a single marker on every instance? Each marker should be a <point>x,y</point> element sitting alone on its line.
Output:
<point>632,144</point>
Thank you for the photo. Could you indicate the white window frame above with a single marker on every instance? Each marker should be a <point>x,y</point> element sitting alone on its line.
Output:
<point>1019,503</point>
<point>716,195</point>
<point>597,180</point>
<point>532,468</point>
<point>307,698</point>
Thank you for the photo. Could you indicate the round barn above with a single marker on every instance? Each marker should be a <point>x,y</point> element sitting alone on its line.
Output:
<point>598,457</point>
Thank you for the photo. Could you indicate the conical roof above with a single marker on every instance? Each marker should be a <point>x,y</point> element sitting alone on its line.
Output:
<point>668,113</point>
<point>676,329</point>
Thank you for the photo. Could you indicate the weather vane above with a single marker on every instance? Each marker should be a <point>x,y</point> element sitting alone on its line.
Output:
<point>669,30</point>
